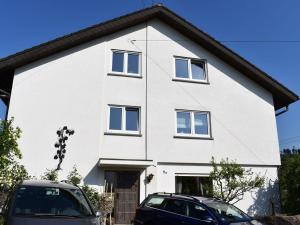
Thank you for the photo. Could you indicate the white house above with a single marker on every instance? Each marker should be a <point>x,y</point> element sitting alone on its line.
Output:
<point>147,94</point>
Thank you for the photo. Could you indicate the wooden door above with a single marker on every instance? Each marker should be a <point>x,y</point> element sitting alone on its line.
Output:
<point>126,192</point>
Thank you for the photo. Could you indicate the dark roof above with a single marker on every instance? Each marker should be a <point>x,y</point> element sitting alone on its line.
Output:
<point>282,96</point>
<point>47,183</point>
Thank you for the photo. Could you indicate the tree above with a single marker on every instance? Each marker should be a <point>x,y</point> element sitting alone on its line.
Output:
<point>289,180</point>
<point>231,181</point>
<point>11,171</point>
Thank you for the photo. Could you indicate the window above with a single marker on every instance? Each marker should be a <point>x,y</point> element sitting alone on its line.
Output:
<point>198,212</point>
<point>193,185</point>
<point>193,123</point>
<point>126,63</point>
<point>124,119</point>
<point>190,69</point>
<point>176,206</point>
<point>157,202</point>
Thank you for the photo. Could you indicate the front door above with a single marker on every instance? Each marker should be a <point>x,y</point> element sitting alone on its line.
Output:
<point>126,192</point>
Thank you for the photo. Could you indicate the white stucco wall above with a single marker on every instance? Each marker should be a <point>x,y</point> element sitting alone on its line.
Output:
<point>72,88</point>
<point>254,202</point>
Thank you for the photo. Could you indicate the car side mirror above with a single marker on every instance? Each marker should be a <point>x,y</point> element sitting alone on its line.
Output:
<point>98,214</point>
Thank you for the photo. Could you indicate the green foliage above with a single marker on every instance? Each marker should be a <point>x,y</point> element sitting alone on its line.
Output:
<point>74,177</point>
<point>289,180</point>
<point>92,195</point>
<point>231,181</point>
<point>50,175</point>
<point>11,172</point>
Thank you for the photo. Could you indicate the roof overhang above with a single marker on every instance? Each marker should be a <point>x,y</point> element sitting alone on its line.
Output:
<point>282,95</point>
<point>131,163</point>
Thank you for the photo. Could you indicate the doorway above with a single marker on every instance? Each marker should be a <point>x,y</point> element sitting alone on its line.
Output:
<point>126,194</point>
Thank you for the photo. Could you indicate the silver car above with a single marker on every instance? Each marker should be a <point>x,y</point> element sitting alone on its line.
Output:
<point>51,203</point>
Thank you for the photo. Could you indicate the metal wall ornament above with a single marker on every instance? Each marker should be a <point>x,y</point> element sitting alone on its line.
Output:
<point>60,146</point>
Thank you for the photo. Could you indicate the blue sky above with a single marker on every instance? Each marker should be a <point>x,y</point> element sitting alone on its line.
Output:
<point>267,33</point>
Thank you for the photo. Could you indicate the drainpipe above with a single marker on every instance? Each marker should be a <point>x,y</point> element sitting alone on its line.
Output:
<point>286,108</point>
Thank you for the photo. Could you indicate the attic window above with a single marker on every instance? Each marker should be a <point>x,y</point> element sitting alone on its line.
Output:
<point>187,69</point>
<point>125,63</point>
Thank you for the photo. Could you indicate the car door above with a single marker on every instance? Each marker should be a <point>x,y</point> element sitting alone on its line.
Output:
<point>198,215</point>
<point>173,213</point>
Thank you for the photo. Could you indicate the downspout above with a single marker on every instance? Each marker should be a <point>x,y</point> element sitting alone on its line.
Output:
<point>286,108</point>
<point>146,106</point>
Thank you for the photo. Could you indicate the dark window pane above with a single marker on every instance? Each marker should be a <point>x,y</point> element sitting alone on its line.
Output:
<point>132,119</point>
<point>182,70</point>
<point>115,121</point>
<point>133,63</point>
<point>198,212</point>
<point>118,62</point>
<point>201,123</point>
<point>183,123</point>
<point>48,201</point>
<point>176,206</point>
<point>198,186</point>
<point>198,70</point>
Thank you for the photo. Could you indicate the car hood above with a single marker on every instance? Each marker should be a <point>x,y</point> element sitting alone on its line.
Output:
<point>52,221</point>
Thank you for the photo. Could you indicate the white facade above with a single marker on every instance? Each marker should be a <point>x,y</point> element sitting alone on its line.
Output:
<point>75,87</point>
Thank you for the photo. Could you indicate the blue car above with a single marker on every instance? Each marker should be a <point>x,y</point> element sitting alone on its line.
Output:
<point>173,209</point>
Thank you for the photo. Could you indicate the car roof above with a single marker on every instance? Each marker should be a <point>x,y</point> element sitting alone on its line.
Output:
<point>47,183</point>
<point>189,197</point>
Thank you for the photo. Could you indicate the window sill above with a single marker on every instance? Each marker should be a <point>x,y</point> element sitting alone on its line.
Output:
<point>193,137</point>
<point>122,134</point>
<point>191,81</point>
<point>124,75</point>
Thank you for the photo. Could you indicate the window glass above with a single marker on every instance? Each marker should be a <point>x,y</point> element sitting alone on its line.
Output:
<point>227,212</point>
<point>201,123</point>
<point>48,201</point>
<point>193,185</point>
<point>118,61</point>
<point>198,212</point>
<point>182,70</point>
<point>176,206</point>
<point>197,70</point>
<point>115,121</point>
<point>183,123</point>
<point>156,202</point>
<point>132,119</point>
<point>133,63</point>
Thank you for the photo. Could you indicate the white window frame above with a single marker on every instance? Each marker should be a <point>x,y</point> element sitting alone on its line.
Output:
<point>125,63</point>
<point>123,120</point>
<point>190,78</point>
<point>192,118</point>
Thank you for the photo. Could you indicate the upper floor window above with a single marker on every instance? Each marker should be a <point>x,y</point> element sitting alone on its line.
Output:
<point>126,63</point>
<point>193,123</point>
<point>190,69</point>
<point>124,119</point>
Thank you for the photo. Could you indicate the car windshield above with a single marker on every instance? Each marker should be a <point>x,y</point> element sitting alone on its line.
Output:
<point>227,212</point>
<point>50,201</point>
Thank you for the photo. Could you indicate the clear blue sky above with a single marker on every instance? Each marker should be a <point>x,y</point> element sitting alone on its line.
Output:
<point>27,23</point>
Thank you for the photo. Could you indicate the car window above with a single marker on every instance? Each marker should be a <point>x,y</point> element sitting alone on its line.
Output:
<point>50,201</point>
<point>227,212</point>
<point>156,202</point>
<point>176,206</point>
<point>198,212</point>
